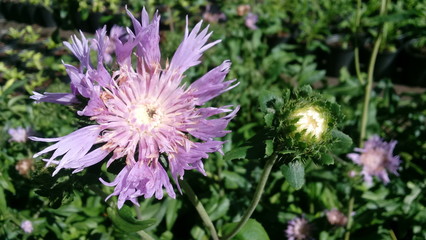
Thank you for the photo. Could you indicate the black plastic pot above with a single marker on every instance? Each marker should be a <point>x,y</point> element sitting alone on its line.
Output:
<point>46,17</point>
<point>28,13</point>
<point>385,66</point>
<point>412,66</point>
<point>337,59</point>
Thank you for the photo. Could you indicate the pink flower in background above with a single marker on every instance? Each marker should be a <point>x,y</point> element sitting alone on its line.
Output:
<point>27,226</point>
<point>376,159</point>
<point>335,217</point>
<point>298,228</point>
<point>19,134</point>
<point>143,115</point>
<point>251,20</point>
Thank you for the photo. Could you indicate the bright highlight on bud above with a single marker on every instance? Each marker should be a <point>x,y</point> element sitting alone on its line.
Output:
<point>311,122</point>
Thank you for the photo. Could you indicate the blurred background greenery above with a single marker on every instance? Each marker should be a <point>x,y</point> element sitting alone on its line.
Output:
<point>273,45</point>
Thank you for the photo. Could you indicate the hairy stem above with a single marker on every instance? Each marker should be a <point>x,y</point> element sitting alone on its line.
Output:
<point>200,208</point>
<point>256,197</point>
<point>369,85</point>
<point>349,224</point>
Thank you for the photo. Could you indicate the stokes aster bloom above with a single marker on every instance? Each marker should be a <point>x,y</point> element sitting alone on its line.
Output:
<point>376,159</point>
<point>144,113</point>
<point>298,228</point>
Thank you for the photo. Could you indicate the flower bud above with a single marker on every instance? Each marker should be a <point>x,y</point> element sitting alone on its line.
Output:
<point>25,166</point>
<point>311,122</point>
<point>335,217</point>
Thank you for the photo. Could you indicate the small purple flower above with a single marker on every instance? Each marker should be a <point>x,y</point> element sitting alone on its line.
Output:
<point>143,116</point>
<point>376,159</point>
<point>27,226</point>
<point>335,217</point>
<point>298,229</point>
<point>19,134</point>
<point>251,20</point>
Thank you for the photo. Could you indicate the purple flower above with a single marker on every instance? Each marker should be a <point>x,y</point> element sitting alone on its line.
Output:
<point>376,159</point>
<point>143,116</point>
<point>251,20</point>
<point>19,134</point>
<point>27,226</point>
<point>298,228</point>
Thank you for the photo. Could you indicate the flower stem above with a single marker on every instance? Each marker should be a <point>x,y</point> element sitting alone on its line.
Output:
<point>369,85</point>
<point>200,208</point>
<point>392,234</point>
<point>256,197</point>
<point>144,235</point>
<point>349,224</point>
<point>356,50</point>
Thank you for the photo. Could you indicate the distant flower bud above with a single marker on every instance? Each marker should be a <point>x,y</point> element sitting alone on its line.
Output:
<point>24,166</point>
<point>352,173</point>
<point>243,9</point>
<point>335,217</point>
<point>27,226</point>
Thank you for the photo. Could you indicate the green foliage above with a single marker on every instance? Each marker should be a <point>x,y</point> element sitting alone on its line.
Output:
<point>252,230</point>
<point>275,65</point>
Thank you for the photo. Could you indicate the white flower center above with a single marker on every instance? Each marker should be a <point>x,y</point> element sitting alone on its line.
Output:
<point>146,115</point>
<point>311,121</point>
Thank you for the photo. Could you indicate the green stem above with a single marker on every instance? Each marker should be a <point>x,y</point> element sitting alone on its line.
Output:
<point>256,197</point>
<point>349,224</point>
<point>200,208</point>
<point>392,234</point>
<point>356,50</point>
<point>369,85</point>
<point>145,236</point>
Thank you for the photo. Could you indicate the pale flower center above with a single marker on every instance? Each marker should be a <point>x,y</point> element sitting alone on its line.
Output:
<point>373,160</point>
<point>146,115</point>
<point>311,121</point>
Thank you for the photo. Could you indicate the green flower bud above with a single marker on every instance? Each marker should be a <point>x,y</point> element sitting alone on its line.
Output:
<point>311,122</point>
<point>302,125</point>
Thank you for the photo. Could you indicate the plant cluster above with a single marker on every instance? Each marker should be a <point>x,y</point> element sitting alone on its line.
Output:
<point>281,152</point>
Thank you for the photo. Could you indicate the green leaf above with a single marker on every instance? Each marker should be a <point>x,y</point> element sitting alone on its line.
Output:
<point>327,159</point>
<point>123,219</point>
<point>268,103</point>
<point>3,204</point>
<point>233,180</point>
<point>269,147</point>
<point>172,212</point>
<point>220,209</point>
<point>343,143</point>
<point>251,230</point>
<point>294,173</point>
<point>236,153</point>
